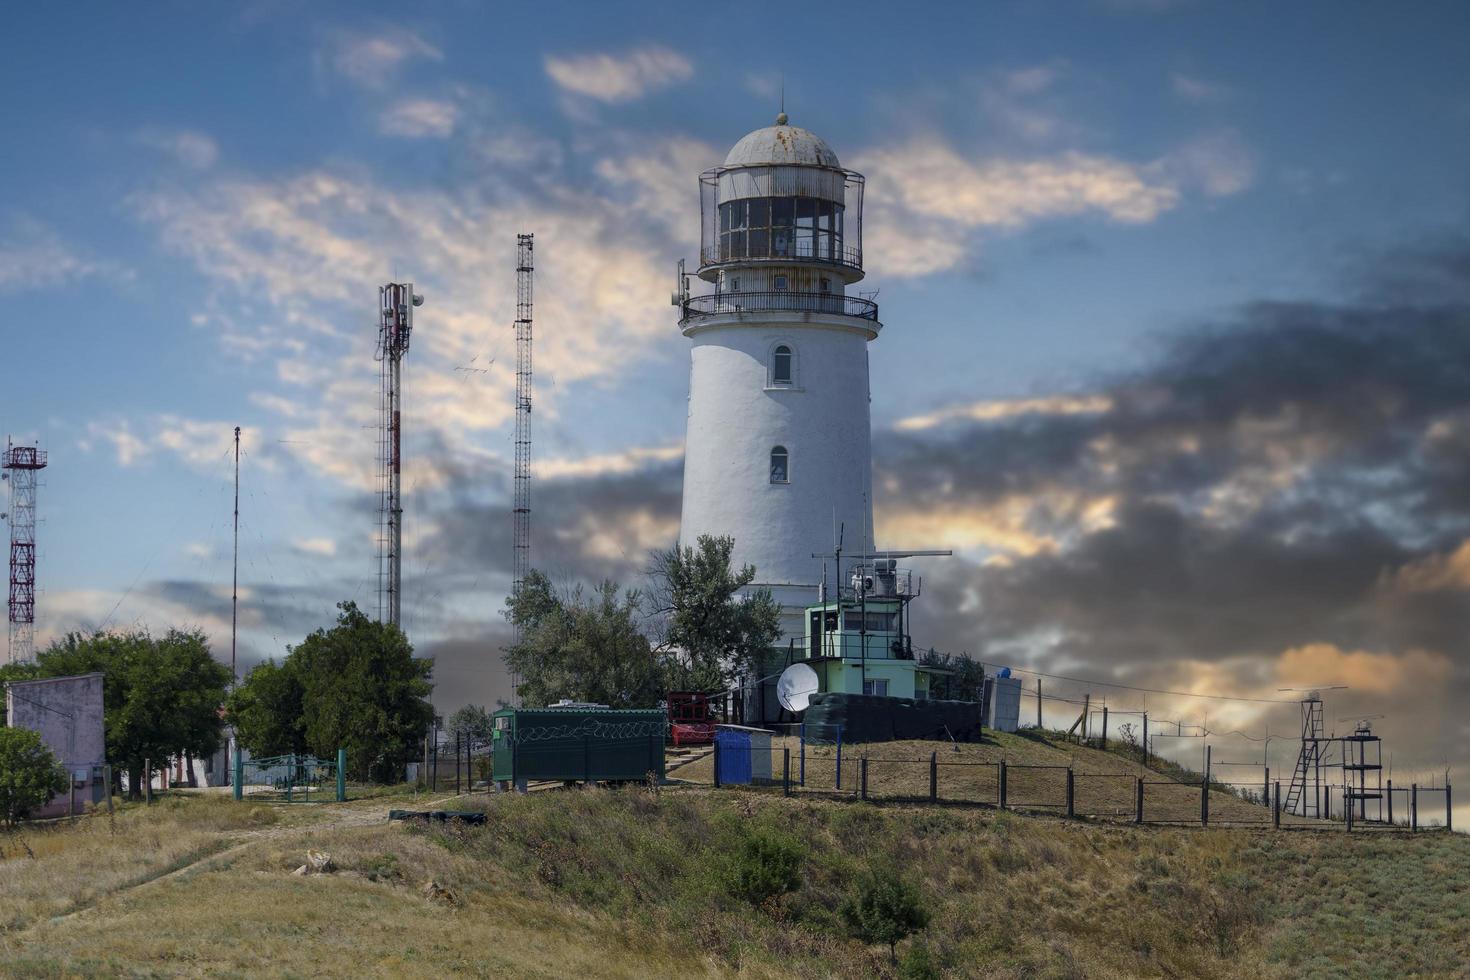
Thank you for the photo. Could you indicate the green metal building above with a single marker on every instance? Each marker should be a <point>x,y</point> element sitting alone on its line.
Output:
<point>577,744</point>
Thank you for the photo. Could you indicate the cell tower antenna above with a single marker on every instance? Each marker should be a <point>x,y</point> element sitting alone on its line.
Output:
<point>235,582</point>
<point>21,463</point>
<point>521,507</point>
<point>396,302</point>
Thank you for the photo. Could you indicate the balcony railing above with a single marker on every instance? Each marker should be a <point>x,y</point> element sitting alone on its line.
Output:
<point>782,301</point>
<point>827,252</point>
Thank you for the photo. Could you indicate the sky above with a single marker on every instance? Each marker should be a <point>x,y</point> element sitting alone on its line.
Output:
<point>1175,300</point>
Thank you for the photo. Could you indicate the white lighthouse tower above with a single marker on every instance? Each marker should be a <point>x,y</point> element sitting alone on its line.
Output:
<point>778,452</point>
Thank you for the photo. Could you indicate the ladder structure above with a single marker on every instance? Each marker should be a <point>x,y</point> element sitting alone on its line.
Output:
<point>1304,797</point>
<point>521,505</point>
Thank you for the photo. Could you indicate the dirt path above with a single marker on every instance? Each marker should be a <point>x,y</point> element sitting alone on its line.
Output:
<point>332,816</point>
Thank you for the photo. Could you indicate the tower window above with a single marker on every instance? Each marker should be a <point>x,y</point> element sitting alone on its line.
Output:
<point>780,283</point>
<point>781,365</point>
<point>826,285</point>
<point>780,465</point>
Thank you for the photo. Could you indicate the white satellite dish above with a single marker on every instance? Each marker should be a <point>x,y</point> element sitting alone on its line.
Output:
<point>795,687</point>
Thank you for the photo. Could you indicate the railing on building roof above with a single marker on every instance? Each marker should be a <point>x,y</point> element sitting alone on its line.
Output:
<point>783,301</point>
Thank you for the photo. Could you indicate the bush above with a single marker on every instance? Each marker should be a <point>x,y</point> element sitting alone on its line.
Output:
<point>765,866</point>
<point>29,774</point>
<point>886,909</point>
<point>918,964</point>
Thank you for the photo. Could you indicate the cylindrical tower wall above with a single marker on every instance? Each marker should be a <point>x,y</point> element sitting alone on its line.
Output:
<point>738,416</point>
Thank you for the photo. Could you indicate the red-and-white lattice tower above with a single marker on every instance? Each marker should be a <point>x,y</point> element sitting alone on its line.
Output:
<point>21,464</point>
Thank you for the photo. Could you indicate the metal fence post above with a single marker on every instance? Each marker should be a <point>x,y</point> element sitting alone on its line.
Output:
<point>1002,780</point>
<point>863,777</point>
<point>239,772</point>
<point>1449,818</point>
<point>341,775</point>
<point>456,765</point>
<point>1390,802</point>
<point>1105,728</point>
<point>1138,814</point>
<point>801,779</point>
<point>933,777</point>
<point>1071,793</point>
<point>1145,740</point>
<point>1413,806</point>
<point>1347,807</point>
<point>786,771</point>
<point>1204,792</point>
<point>717,761</point>
<point>839,757</point>
<point>1266,787</point>
<point>1276,808</point>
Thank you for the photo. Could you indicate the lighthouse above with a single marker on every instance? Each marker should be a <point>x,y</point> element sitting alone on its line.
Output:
<point>777,449</point>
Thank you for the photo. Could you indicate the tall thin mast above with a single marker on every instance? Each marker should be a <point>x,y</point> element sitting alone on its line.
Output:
<point>235,585</point>
<point>521,508</point>
<point>395,305</point>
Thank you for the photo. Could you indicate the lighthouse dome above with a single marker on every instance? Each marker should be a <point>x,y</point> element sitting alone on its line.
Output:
<point>782,144</point>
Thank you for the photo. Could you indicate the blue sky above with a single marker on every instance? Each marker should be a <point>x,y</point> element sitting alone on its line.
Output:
<point>201,203</point>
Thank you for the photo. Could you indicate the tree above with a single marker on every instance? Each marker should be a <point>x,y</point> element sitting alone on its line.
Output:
<point>363,690</point>
<point>581,646</point>
<point>266,711</point>
<point>886,909</point>
<point>697,600</point>
<point>471,722</point>
<point>29,774</point>
<point>965,683</point>
<point>161,698</point>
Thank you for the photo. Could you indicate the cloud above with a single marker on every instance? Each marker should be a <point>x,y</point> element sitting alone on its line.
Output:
<point>985,411</point>
<point>619,78</point>
<point>324,547</point>
<point>373,60</point>
<point>1198,91</point>
<point>419,118</point>
<point>199,444</point>
<point>1219,164</point>
<point>191,148</point>
<point>33,256</point>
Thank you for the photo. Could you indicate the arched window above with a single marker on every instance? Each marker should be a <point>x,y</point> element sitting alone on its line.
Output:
<point>780,465</point>
<point>781,365</point>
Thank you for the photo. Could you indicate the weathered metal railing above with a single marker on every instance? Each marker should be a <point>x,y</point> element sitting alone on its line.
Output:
<point>715,304</point>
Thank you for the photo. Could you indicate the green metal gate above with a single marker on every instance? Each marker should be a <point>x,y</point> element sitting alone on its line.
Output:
<point>291,778</point>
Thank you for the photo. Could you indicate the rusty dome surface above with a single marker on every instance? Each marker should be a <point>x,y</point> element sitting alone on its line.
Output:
<point>782,144</point>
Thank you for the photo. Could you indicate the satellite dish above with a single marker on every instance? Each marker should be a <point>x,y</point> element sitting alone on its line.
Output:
<point>795,687</point>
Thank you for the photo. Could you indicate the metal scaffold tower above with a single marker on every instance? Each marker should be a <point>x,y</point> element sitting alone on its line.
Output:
<point>396,302</point>
<point>21,463</point>
<point>1305,796</point>
<point>521,507</point>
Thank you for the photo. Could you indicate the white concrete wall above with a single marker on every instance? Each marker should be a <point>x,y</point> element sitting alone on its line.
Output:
<point>67,712</point>
<point>735,418</point>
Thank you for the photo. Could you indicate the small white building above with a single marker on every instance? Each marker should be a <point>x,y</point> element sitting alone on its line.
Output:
<point>67,712</point>
<point>777,452</point>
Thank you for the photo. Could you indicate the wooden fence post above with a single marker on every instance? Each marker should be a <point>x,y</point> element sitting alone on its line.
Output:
<point>863,774</point>
<point>1002,798</point>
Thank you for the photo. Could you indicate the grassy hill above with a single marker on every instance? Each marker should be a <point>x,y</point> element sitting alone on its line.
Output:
<point>642,882</point>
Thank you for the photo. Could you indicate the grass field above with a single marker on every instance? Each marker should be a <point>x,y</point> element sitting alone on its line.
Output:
<point>640,883</point>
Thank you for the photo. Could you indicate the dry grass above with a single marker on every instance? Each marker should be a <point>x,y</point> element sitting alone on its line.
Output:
<point>635,883</point>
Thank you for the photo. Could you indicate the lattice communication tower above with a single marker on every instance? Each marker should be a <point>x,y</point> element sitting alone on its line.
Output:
<point>396,302</point>
<point>521,507</point>
<point>21,464</point>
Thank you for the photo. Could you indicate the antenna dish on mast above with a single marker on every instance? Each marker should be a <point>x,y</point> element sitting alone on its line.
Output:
<point>795,687</point>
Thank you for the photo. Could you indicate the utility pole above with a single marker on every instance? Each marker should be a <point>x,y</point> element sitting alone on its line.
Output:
<point>235,584</point>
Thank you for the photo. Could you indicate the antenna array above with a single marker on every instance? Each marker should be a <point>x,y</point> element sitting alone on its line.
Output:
<point>521,507</point>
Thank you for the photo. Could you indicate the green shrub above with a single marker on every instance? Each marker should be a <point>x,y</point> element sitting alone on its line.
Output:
<point>886,909</point>
<point>766,865</point>
<point>29,774</point>
<point>918,964</point>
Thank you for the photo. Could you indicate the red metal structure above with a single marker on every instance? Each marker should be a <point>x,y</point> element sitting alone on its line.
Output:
<point>691,718</point>
<point>21,464</point>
